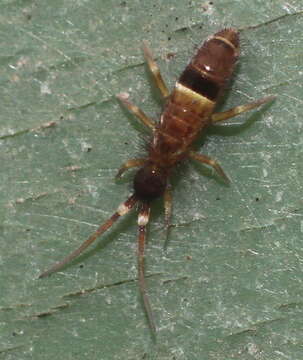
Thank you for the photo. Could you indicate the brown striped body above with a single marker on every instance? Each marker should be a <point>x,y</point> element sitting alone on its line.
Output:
<point>192,101</point>
<point>188,110</point>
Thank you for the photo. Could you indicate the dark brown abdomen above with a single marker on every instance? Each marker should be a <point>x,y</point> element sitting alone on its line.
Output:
<point>194,97</point>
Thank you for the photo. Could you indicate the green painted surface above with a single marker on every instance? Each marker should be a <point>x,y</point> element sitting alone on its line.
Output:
<point>230,285</point>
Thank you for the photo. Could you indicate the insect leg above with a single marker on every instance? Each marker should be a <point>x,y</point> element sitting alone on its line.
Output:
<point>155,71</point>
<point>240,109</point>
<point>211,162</point>
<point>123,209</point>
<point>143,219</point>
<point>123,97</point>
<point>130,164</point>
<point>168,202</point>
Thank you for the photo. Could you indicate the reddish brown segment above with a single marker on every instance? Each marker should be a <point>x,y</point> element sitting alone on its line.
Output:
<point>194,97</point>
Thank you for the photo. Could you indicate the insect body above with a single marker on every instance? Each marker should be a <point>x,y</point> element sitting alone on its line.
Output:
<point>187,111</point>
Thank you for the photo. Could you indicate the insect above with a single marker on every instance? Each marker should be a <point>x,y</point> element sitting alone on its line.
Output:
<point>188,110</point>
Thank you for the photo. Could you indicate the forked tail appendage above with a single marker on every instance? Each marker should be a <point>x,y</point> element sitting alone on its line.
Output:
<point>123,209</point>
<point>143,219</point>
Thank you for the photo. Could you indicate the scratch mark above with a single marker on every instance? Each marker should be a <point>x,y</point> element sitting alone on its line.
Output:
<point>174,280</point>
<point>105,286</point>
<point>62,218</point>
<point>290,306</point>
<point>50,312</point>
<point>48,46</point>
<point>10,349</point>
<point>271,21</point>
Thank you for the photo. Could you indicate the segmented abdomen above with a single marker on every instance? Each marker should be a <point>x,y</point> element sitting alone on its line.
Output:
<point>192,101</point>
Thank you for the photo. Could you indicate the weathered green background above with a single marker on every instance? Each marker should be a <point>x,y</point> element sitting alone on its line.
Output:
<point>230,285</point>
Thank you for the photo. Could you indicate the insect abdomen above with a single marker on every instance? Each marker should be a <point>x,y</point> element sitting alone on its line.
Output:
<point>194,97</point>
<point>213,65</point>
